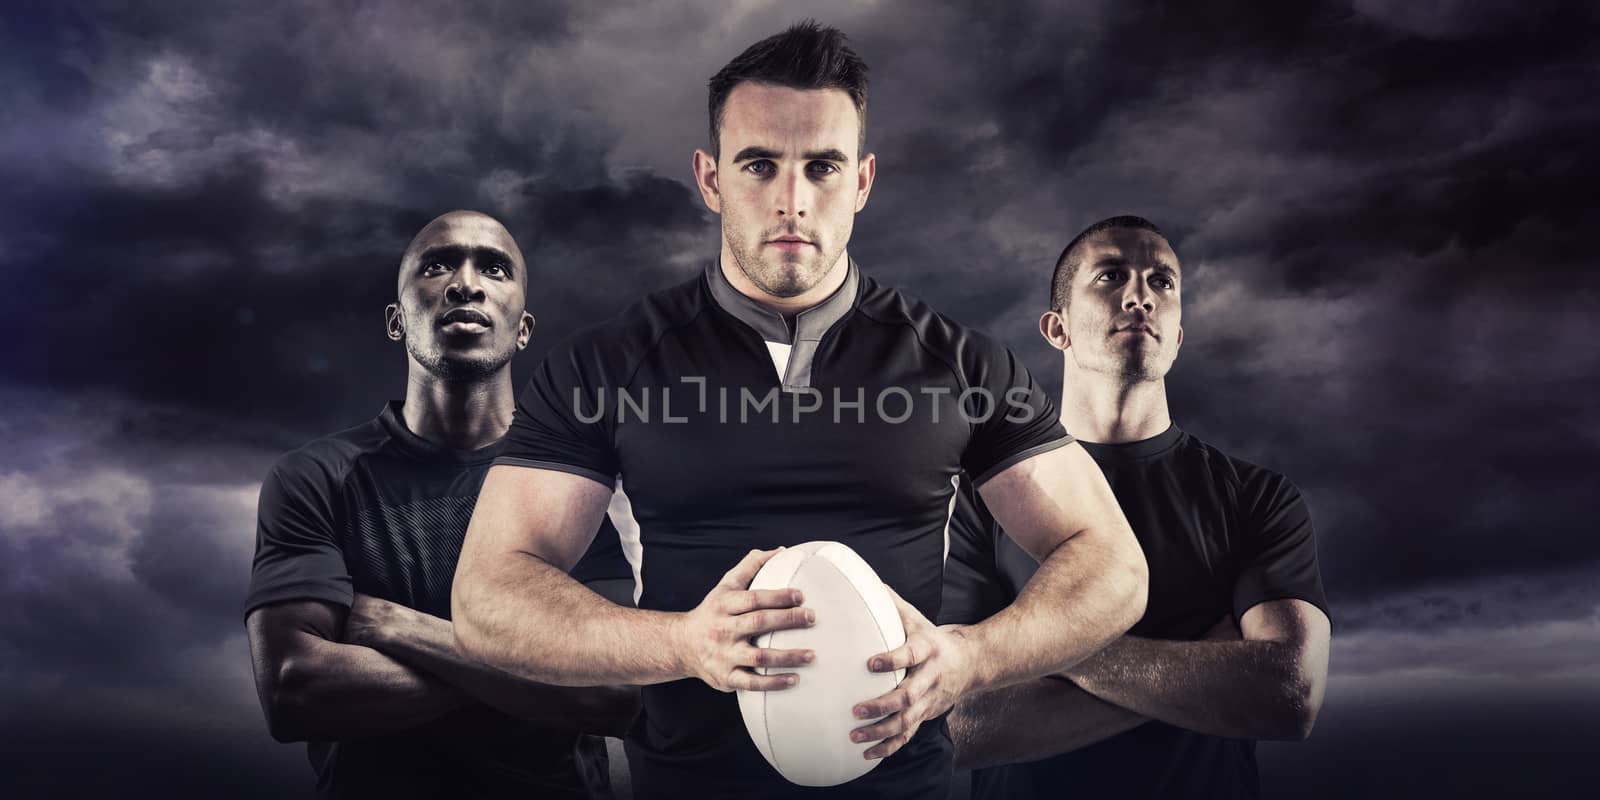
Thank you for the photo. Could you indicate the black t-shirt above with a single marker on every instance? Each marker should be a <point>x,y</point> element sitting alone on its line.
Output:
<point>378,510</point>
<point>1220,535</point>
<point>729,431</point>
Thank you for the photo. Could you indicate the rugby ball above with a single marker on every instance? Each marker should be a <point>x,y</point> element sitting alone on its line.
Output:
<point>804,731</point>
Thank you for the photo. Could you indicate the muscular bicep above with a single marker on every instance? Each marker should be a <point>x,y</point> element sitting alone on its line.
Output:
<point>547,514</point>
<point>1294,622</point>
<point>1051,497</point>
<point>279,632</point>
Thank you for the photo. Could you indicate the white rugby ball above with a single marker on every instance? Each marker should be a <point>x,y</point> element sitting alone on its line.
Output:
<point>804,730</point>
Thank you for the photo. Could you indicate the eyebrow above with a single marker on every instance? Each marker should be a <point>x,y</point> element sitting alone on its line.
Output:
<point>828,154</point>
<point>1122,261</point>
<point>456,252</point>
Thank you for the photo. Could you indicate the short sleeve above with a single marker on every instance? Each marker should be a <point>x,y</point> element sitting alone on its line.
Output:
<point>1279,556</point>
<point>1014,419</point>
<point>297,549</point>
<point>560,422</point>
<point>973,587</point>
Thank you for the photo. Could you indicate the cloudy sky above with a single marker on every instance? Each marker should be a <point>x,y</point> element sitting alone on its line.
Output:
<point>1379,206</point>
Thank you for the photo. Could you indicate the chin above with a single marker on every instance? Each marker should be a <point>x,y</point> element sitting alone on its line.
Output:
<point>466,365</point>
<point>787,280</point>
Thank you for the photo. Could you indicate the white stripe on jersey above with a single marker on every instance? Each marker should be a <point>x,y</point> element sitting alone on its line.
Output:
<point>621,513</point>
<point>780,358</point>
<point>950,512</point>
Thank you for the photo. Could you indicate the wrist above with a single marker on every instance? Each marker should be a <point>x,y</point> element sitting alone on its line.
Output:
<point>977,677</point>
<point>679,660</point>
<point>399,627</point>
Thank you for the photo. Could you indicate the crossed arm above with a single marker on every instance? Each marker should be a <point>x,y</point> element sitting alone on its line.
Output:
<point>516,609</point>
<point>1263,680</point>
<point>324,672</point>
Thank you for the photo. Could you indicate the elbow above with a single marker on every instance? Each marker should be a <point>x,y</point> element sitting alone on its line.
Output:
<point>1308,704</point>
<point>1293,723</point>
<point>1136,584</point>
<point>1296,708</point>
<point>285,700</point>
<point>464,622</point>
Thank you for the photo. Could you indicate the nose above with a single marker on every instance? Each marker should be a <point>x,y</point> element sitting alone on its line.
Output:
<point>794,195</point>
<point>1138,295</point>
<point>466,285</point>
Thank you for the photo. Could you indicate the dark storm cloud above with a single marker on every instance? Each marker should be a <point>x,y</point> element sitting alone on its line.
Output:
<point>1382,215</point>
<point>1381,208</point>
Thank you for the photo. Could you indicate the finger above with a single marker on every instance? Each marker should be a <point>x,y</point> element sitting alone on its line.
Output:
<point>915,651</point>
<point>745,571</point>
<point>747,601</point>
<point>750,656</point>
<point>892,725</point>
<point>888,703</point>
<point>745,680</point>
<point>887,747</point>
<point>756,623</point>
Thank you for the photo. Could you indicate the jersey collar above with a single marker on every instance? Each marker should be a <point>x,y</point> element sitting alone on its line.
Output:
<point>810,324</point>
<point>393,420</point>
<point>799,347</point>
<point>1144,448</point>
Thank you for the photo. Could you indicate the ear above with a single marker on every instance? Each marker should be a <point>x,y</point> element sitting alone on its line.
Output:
<point>393,323</point>
<point>524,329</point>
<point>1053,327</point>
<point>1180,339</point>
<point>864,176</point>
<point>705,177</point>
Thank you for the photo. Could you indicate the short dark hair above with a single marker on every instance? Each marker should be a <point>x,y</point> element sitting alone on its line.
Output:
<point>1069,261</point>
<point>806,56</point>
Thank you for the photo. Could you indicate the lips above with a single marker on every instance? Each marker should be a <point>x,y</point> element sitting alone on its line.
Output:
<point>464,321</point>
<point>1138,328</point>
<point>790,242</point>
<point>465,315</point>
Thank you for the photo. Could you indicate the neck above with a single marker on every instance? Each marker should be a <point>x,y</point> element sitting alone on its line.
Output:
<point>1106,409</point>
<point>787,306</point>
<point>455,414</point>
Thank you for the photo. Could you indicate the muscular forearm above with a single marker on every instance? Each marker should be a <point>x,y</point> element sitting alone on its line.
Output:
<point>338,691</point>
<point>428,642</point>
<point>1239,689</point>
<point>1086,592</point>
<point>1032,720</point>
<point>523,616</point>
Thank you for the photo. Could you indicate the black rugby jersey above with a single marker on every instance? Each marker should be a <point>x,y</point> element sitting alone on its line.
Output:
<point>1220,535</point>
<point>730,431</point>
<point>378,510</point>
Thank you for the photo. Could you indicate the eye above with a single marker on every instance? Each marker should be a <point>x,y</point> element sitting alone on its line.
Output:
<point>435,267</point>
<point>1110,275</point>
<point>494,268</point>
<point>822,167</point>
<point>762,167</point>
<point>1163,282</point>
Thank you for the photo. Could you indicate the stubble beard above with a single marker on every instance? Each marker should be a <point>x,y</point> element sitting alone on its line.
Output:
<point>790,275</point>
<point>1128,367</point>
<point>458,368</point>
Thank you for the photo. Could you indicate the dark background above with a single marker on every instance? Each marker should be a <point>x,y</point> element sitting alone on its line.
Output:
<point>1383,211</point>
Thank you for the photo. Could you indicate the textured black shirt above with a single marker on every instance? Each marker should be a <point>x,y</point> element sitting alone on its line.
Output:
<point>1220,535</point>
<point>378,510</point>
<point>874,404</point>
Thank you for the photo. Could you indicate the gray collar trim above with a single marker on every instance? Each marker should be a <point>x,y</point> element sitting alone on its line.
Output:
<point>809,325</point>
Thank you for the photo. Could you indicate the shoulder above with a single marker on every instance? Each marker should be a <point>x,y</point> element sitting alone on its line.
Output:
<point>627,338</point>
<point>325,461</point>
<point>965,349</point>
<point>1252,486</point>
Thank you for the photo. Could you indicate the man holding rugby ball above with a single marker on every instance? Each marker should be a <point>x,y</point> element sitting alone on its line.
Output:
<point>783,396</point>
